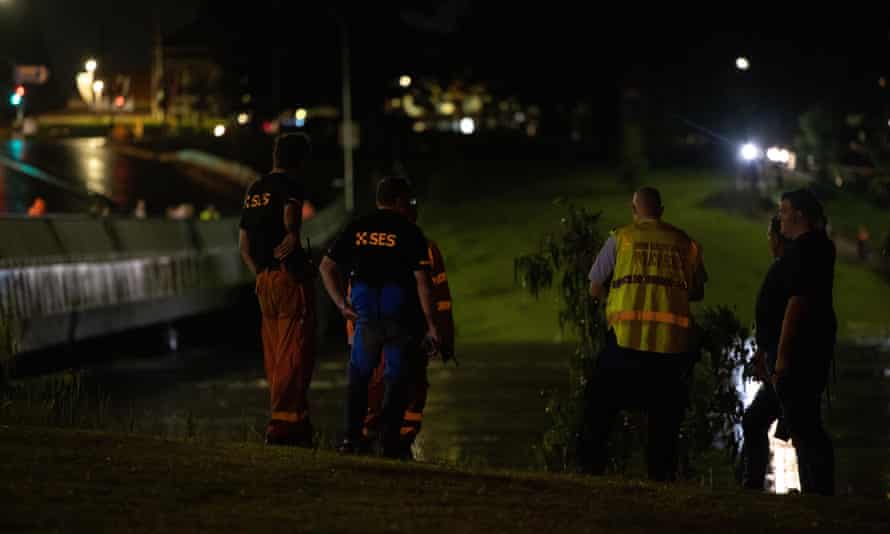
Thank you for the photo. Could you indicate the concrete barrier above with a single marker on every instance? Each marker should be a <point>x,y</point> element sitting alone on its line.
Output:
<point>151,236</point>
<point>21,239</point>
<point>84,237</point>
<point>217,234</point>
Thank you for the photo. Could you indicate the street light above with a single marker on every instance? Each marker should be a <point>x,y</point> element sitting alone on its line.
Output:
<point>91,65</point>
<point>405,81</point>
<point>742,63</point>
<point>98,86</point>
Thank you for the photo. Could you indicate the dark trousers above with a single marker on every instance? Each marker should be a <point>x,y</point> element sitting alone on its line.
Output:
<point>757,419</point>
<point>800,395</point>
<point>630,379</point>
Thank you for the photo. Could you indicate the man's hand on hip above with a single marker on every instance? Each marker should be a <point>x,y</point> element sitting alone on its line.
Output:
<point>286,247</point>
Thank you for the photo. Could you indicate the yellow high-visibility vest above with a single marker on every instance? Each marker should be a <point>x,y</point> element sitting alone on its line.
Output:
<point>648,304</point>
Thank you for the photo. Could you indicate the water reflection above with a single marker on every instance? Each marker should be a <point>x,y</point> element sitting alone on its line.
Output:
<point>782,475</point>
<point>66,172</point>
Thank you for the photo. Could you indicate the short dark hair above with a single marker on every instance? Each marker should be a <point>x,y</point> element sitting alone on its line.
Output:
<point>806,202</point>
<point>392,188</point>
<point>650,200</point>
<point>291,150</point>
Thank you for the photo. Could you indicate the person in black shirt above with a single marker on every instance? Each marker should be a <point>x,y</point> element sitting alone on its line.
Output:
<point>807,338</point>
<point>269,239</point>
<point>385,256</point>
<point>772,300</point>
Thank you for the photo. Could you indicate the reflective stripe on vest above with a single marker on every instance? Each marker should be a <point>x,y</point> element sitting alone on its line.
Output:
<point>655,317</point>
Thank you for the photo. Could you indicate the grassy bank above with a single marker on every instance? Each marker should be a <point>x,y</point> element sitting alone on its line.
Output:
<point>76,481</point>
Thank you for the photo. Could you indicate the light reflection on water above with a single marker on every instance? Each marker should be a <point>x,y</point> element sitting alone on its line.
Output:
<point>782,476</point>
<point>95,162</point>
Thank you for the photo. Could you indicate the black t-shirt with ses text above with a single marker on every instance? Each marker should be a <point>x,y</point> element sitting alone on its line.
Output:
<point>381,247</point>
<point>262,216</point>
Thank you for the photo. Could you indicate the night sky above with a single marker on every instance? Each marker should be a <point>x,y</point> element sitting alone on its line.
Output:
<point>547,53</point>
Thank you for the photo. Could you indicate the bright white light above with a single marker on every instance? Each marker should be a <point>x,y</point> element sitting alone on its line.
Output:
<point>778,155</point>
<point>91,65</point>
<point>98,85</point>
<point>742,63</point>
<point>243,118</point>
<point>219,130</point>
<point>405,81</point>
<point>467,126</point>
<point>750,152</point>
<point>301,114</point>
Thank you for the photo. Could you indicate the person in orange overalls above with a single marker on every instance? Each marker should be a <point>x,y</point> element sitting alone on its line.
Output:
<point>269,240</point>
<point>444,319</point>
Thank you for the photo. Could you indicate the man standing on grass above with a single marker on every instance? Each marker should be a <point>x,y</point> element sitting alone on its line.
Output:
<point>807,339</point>
<point>385,257</point>
<point>656,270</point>
<point>269,240</point>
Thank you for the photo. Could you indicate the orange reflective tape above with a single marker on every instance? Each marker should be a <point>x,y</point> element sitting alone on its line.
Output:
<point>290,417</point>
<point>407,430</point>
<point>440,279</point>
<point>651,316</point>
<point>413,416</point>
<point>443,305</point>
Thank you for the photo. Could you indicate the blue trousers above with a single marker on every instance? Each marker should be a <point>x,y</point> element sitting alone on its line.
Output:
<point>383,330</point>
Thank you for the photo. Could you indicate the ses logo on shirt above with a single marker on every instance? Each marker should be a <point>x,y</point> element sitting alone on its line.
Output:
<point>257,201</point>
<point>375,239</point>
